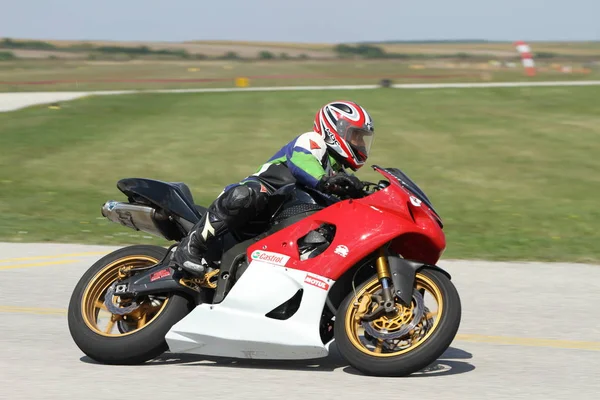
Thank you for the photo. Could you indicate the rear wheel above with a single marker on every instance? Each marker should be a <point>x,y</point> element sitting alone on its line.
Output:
<point>403,342</point>
<point>134,334</point>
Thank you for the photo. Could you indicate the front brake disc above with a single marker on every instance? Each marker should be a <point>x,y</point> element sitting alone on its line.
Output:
<point>418,314</point>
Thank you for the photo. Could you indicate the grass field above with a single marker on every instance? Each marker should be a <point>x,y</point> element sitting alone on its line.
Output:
<point>65,68</point>
<point>513,172</point>
<point>78,75</point>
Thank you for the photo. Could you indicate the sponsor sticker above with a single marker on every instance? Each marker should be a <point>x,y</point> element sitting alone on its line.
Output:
<point>269,257</point>
<point>311,280</point>
<point>163,273</point>
<point>416,202</point>
<point>341,250</point>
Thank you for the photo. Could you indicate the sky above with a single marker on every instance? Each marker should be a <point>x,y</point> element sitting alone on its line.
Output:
<point>323,21</point>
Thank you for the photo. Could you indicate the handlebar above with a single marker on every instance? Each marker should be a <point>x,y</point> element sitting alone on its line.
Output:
<point>368,189</point>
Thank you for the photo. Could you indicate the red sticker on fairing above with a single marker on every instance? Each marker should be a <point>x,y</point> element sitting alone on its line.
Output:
<point>311,280</point>
<point>163,273</point>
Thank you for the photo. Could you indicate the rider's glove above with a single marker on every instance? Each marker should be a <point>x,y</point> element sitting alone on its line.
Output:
<point>340,184</point>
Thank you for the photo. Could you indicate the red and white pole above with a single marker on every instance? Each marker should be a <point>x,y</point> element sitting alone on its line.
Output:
<point>526,57</point>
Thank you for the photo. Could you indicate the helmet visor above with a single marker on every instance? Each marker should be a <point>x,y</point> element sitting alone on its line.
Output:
<point>360,141</point>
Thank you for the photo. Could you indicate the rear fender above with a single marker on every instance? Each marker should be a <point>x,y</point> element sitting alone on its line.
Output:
<point>174,198</point>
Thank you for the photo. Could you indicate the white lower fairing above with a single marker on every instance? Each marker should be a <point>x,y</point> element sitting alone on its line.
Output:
<point>238,327</point>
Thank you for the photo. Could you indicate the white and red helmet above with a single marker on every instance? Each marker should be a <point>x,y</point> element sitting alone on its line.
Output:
<point>348,131</point>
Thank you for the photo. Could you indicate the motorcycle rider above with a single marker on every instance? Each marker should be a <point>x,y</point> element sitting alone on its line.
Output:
<point>341,138</point>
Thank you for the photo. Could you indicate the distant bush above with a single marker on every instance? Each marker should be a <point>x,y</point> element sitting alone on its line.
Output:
<point>376,52</point>
<point>363,50</point>
<point>120,49</point>
<point>8,43</point>
<point>182,54</point>
<point>266,55</point>
<point>437,41</point>
<point>344,49</point>
<point>284,56</point>
<point>81,46</point>
<point>545,54</point>
<point>111,56</point>
<point>230,55</point>
<point>372,51</point>
<point>131,52</point>
<point>303,56</point>
<point>7,56</point>
<point>402,56</point>
<point>140,51</point>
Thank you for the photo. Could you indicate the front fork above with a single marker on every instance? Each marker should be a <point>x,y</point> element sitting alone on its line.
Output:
<point>385,302</point>
<point>385,277</point>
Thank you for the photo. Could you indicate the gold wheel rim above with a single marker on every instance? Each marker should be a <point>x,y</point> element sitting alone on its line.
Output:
<point>92,303</point>
<point>353,327</point>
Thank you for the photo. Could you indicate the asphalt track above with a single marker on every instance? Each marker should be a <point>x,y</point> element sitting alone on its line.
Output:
<point>529,331</point>
<point>19,100</point>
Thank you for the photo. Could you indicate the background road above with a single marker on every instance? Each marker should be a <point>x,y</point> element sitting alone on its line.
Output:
<point>529,330</point>
<point>17,100</point>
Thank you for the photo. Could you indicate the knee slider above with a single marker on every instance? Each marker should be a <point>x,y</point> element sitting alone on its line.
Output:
<point>241,197</point>
<point>235,200</point>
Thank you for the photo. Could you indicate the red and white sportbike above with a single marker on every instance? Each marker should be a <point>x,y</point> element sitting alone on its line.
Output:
<point>313,269</point>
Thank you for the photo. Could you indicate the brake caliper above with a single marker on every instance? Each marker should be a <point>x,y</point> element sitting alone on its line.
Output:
<point>418,313</point>
<point>363,307</point>
<point>116,308</point>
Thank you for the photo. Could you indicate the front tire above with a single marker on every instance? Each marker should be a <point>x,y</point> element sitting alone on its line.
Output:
<point>424,343</point>
<point>132,338</point>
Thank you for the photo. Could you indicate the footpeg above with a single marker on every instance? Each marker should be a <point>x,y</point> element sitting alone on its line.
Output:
<point>197,270</point>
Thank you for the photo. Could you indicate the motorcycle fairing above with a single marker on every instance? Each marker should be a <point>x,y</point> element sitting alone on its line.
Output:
<point>239,326</point>
<point>388,215</point>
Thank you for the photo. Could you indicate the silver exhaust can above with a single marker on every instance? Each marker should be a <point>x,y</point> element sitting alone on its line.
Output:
<point>135,216</point>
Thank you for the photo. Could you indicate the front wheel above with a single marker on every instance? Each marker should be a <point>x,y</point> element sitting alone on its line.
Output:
<point>403,342</point>
<point>136,331</point>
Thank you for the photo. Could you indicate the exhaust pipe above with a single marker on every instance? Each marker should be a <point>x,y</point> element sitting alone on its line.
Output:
<point>134,216</point>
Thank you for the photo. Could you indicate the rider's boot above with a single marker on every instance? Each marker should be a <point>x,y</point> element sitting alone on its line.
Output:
<point>236,205</point>
<point>189,251</point>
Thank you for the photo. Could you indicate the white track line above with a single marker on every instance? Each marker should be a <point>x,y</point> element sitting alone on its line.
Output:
<point>493,84</point>
<point>15,101</point>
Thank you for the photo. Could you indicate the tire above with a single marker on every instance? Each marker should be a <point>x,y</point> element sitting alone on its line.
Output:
<point>423,354</point>
<point>125,348</point>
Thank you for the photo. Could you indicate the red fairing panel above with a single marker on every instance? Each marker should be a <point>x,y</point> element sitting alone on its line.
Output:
<point>362,226</point>
<point>427,241</point>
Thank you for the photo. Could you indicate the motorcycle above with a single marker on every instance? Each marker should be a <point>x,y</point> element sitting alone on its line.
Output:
<point>313,269</point>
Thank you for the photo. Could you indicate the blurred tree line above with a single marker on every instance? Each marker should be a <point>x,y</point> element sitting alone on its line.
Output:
<point>343,51</point>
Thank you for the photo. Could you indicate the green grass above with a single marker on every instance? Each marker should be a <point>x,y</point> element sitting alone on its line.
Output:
<point>513,172</point>
<point>78,75</point>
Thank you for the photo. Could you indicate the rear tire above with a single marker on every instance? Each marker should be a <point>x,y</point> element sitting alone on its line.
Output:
<point>134,347</point>
<point>416,358</point>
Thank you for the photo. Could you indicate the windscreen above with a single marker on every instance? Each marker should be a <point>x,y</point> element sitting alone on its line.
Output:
<point>410,185</point>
